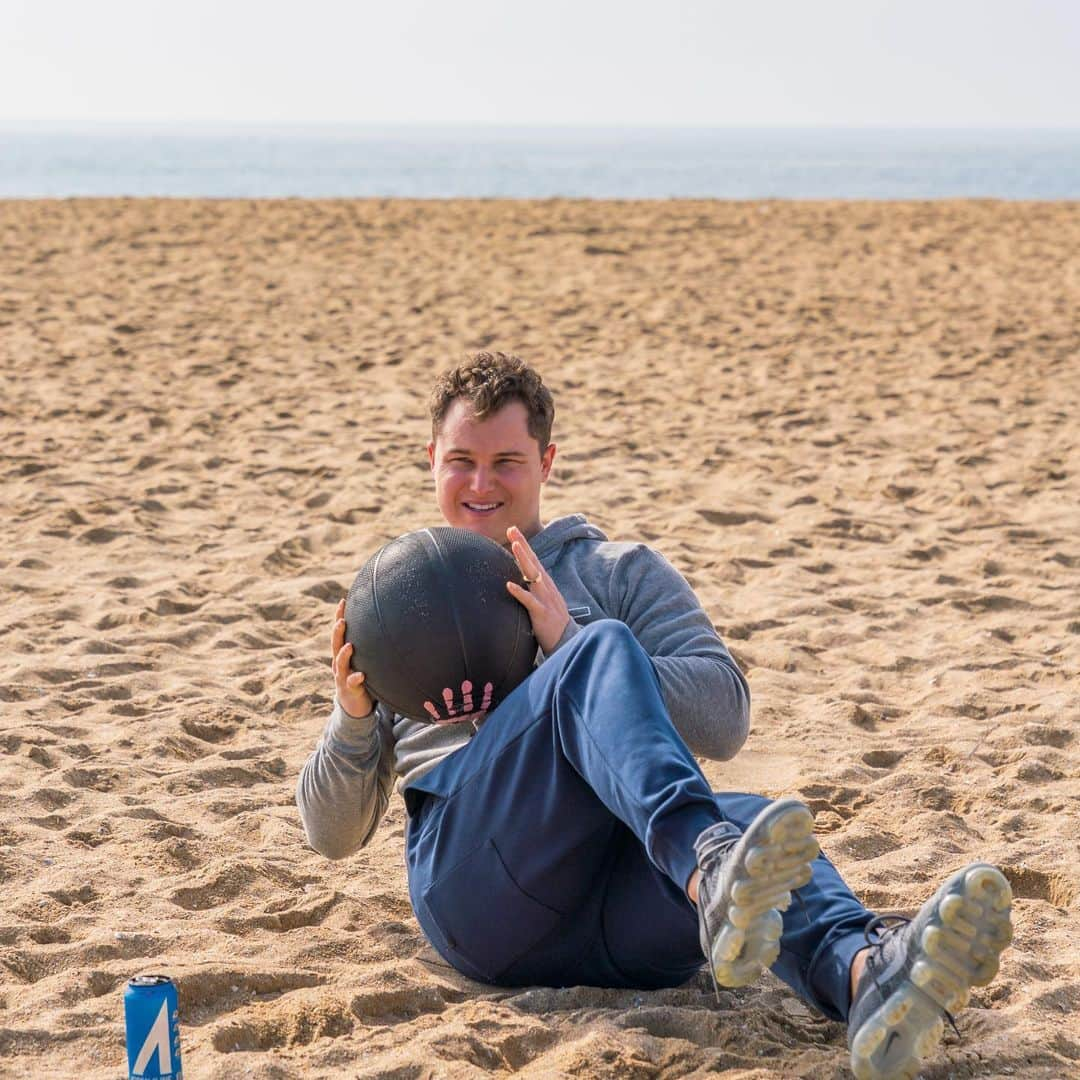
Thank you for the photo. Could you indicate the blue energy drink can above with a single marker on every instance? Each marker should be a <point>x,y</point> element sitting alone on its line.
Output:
<point>153,1028</point>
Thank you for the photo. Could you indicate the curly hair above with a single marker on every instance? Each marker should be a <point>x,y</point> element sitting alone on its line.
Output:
<point>488,381</point>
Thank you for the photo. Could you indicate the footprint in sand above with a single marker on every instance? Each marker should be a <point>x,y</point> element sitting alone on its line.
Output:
<point>127,708</point>
<point>279,612</point>
<point>40,756</point>
<point>96,779</point>
<point>1030,884</point>
<point>396,1005</point>
<point>34,964</point>
<point>704,1028</point>
<point>214,727</point>
<point>216,890</point>
<point>220,776</point>
<point>869,844</point>
<point>52,822</point>
<point>161,828</point>
<point>89,985</point>
<point>882,759</point>
<point>101,535</point>
<point>832,806</point>
<point>100,648</point>
<point>1046,735</point>
<point>328,591</point>
<point>208,990</point>
<point>49,935</point>
<point>89,838</point>
<point>124,582</point>
<point>297,1020</point>
<point>52,798</point>
<point>289,916</point>
<point>289,556</point>
<point>168,606</point>
<point>83,894</point>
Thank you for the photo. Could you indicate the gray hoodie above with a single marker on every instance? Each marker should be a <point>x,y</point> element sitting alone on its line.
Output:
<point>345,785</point>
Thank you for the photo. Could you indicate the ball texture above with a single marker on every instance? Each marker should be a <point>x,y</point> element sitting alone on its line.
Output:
<point>430,613</point>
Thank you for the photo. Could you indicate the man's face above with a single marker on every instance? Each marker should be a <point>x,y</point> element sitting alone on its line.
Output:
<point>488,472</point>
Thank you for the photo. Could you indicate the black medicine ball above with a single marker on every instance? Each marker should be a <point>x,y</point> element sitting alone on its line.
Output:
<point>430,611</point>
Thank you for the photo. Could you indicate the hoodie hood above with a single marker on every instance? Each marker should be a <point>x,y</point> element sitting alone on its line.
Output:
<point>547,542</point>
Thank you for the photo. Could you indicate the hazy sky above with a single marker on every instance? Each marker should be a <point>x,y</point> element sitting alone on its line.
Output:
<point>982,63</point>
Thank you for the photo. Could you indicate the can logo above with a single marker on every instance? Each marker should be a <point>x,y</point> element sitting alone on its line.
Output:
<point>157,1041</point>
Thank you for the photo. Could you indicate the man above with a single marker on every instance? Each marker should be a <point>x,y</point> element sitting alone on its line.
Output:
<point>577,810</point>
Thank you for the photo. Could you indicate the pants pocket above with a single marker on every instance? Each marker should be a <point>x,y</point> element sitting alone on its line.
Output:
<point>482,915</point>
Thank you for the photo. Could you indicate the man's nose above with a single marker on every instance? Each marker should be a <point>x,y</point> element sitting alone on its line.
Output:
<point>481,480</point>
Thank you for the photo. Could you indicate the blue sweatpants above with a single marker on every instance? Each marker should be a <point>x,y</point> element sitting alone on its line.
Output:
<point>555,847</point>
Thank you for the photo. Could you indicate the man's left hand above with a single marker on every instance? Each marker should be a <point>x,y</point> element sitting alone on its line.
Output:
<point>542,599</point>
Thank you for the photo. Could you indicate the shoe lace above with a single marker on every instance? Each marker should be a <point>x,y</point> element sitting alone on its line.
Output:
<point>715,842</point>
<point>882,926</point>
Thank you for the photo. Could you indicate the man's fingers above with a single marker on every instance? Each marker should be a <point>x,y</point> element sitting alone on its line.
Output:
<point>528,563</point>
<point>355,681</point>
<point>532,571</point>
<point>341,661</point>
<point>526,558</point>
<point>518,593</point>
<point>337,635</point>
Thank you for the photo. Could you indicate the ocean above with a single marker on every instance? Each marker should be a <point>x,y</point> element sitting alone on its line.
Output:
<point>545,163</point>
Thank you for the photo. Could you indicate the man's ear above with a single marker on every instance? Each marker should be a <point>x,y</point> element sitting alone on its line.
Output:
<point>431,455</point>
<point>546,458</point>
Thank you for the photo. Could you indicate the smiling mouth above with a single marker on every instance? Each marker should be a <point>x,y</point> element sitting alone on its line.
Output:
<point>482,508</point>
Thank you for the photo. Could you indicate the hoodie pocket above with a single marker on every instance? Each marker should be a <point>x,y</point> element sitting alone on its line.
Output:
<point>483,916</point>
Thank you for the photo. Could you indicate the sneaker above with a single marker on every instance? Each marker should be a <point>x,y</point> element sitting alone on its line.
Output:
<point>921,970</point>
<point>746,881</point>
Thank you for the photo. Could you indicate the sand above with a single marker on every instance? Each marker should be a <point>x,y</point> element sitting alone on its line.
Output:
<point>854,427</point>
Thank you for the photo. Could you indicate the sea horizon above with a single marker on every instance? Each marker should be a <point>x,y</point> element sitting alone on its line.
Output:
<point>540,161</point>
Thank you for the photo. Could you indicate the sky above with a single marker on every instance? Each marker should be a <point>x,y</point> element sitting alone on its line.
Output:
<point>81,64</point>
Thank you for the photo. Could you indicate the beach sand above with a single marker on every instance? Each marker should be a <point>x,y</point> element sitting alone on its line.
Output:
<point>854,427</point>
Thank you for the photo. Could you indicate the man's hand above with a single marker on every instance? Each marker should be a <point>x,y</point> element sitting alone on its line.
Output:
<point>542,599</point>
<point>351,695</point>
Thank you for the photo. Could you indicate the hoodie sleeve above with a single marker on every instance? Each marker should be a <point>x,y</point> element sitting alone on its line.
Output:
<point>344,787</point>
<point>706,694</point>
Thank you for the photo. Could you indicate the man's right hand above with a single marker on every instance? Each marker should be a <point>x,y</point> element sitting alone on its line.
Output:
<point>351,695</point>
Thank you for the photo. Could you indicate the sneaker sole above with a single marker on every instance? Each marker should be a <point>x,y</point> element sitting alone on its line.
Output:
<point>957,949</point>
<point>773,857</point>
